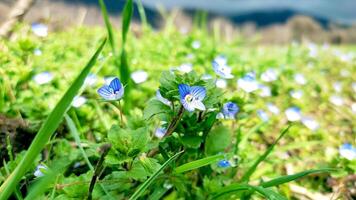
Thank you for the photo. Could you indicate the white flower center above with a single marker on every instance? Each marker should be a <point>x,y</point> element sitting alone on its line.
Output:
<point>189,98</point>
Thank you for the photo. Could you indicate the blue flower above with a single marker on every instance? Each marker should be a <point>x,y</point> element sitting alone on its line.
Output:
<point>224,163</point>
<point>113,91</point>
<point>248,83</point>
<point>296,94</point>
<point>40,170</point>
<point>347,151</point>
<point>310,123</point>
<point>230,110</point>
<point>269,75</point>
<point>43,78</point>
<point>192,97</point>
<point>39,29</point>
<point>160,132</point>
<point>293,114</point>
<point>262,115</point>
<point>273,108</point>
<point>221,68</point>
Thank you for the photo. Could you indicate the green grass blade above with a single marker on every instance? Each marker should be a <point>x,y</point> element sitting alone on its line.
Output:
<point>75,134</point>
<point>252,169</point>
<point>198,163</point>
<point>124,67</point>
<point>47,129</point>
<point>230,189</point>
<point>43,183</point>
<point>142,13</point>
<point>244,138</point>
<point>288,178</point>
<point>126,20</point>
<point>268,193</point>
<point>150,180</point>
<point>108,26</point>
<point>233,188</point>
<point>17,192</point>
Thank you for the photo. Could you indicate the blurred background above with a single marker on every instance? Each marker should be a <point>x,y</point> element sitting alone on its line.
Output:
<point>270,21</point>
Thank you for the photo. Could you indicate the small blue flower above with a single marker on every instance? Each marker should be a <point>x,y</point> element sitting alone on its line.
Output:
<point>39,29</point>
<point>310,123</point>
<point>269,75</point>
<point>221,83</point>
<point>248,83</point>
<point>160,132</point>
<point>230,110</point>
<point>40,170</point>
<point>296,94</point>
<point>43,78</point>
<point>293,114</point>
<point>262,115</point>
<point>139,76</point>
<point>273,108</point>
<point>265,91</point>
<point>192,97</point>
<point>347,151</point>
<point>300,79</point>
<point>113,91</point>
<point>224,163</point>
<point>221,68</point>
<point>90,80</point>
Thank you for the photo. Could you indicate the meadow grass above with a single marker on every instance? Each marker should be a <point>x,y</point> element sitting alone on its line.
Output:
<point>246,141</point>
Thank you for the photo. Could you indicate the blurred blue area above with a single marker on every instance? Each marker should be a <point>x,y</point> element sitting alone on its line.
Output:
<point>261,12</point>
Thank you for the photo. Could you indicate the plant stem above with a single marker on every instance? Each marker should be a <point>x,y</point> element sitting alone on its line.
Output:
<point>173,125</point>
<point>121,118</point>
<point>99,167</point>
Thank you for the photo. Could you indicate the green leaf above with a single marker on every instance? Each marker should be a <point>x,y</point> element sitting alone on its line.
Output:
<point>252,169</point>
<point>43,183</point>
<point>150,180</point>
<point>288,178</point>
<point>75,134</point>
<point>127,141</point>
<point>198,163</point>
<point>218,139</point>
<point>47,129</point>
<point>120,138</point>
<point>155,107</point>
<point>233,188</point>
<point>192,141</point>
<point>245,137</point>
<point>126,19</point>
<point>108,26</point>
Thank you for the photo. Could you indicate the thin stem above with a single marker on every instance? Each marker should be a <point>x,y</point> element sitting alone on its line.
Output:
<point>173,125</point>
<point>99,167</point>
<point>121,118</point>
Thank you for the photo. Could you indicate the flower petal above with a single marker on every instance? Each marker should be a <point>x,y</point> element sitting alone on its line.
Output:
<point>115,84</point>
<point>106,92</point>
<point>198,92</point>
<point>188,106</point>
<point>183,89</point>
<point>198,105</point>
